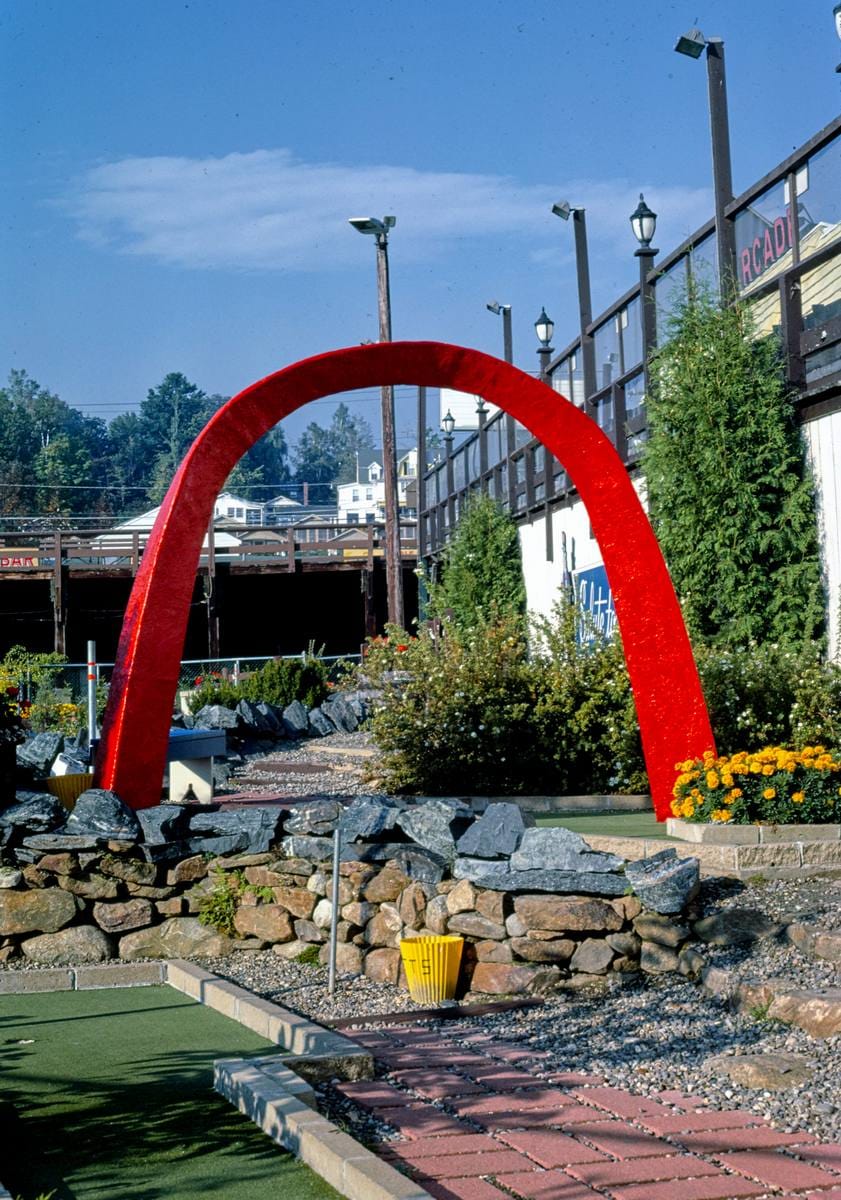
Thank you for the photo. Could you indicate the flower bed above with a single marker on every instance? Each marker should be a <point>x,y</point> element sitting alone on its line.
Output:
<point>773,786</point>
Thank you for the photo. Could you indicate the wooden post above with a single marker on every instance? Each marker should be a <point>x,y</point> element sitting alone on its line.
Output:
<point>59,598</point>
<point>210,595</point>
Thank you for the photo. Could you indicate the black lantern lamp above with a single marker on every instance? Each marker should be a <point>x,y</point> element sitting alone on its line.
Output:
<point>544,327</point>
<point>644,223</point>
<point>836,12</point>
<point>448,424</point>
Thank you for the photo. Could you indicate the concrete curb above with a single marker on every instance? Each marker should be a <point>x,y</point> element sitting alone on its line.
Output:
<point>287,1119</point>
<point>315,1052</point>
<point>78,979</point>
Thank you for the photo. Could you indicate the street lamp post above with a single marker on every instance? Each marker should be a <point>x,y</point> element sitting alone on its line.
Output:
<point>692,44</point>
<point>563,209</point>
<point>544,327</point>
<point>644,223</point>
<point>393,565</point>
<point>448,424</point>
<point>504,310</point>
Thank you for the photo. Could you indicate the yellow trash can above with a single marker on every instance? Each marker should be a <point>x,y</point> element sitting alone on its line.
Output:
<point>68,788</point>
<point>432,965</point>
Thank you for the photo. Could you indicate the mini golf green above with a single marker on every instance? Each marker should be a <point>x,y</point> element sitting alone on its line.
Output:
<point>108,1094</point>
<point>629,825</point>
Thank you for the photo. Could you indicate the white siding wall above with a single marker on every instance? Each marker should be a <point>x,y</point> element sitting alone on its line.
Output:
<point>544,578</point>
<point>823,443</point>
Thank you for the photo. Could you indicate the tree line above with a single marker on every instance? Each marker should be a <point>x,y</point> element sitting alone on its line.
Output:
<point>57,463</point>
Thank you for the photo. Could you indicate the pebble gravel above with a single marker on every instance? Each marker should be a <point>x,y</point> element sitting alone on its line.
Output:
<point>646,1034</point>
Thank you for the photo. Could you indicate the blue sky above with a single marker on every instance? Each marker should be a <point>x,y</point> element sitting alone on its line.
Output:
<point>177,176</point>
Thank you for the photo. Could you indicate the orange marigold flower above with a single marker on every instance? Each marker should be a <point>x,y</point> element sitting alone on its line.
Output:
<point>769,793</point>
<point>798,797</point>
<point>712,780</point>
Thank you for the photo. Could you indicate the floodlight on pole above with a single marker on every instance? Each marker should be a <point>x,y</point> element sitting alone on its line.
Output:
<point>564,210</point>
<point>393,562</point>
<point>836,12</point>
<point>692,45</point>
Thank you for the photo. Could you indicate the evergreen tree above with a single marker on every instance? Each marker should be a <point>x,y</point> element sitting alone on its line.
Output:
<point>730,495</point>
<point>482,568</point>
<point>328,456</point>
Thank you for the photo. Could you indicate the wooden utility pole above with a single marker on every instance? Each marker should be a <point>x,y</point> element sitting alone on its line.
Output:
<point>393,563</point>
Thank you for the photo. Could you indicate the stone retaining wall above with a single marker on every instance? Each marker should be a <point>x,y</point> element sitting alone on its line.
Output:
<point>539,909</point>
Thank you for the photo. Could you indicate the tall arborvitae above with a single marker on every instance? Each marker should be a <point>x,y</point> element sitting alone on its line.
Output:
<point>731,497</point>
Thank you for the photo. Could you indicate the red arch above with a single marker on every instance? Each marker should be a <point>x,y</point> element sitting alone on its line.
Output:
<point>670,704</point>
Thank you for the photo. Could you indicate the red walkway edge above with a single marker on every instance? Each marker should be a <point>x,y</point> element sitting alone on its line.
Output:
<point>474,1122</point>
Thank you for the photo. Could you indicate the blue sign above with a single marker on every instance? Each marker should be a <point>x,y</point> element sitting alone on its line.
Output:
<point>594,600</point>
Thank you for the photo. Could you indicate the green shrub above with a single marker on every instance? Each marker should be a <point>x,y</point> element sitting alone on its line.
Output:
<point>215,691</point>
<point>482,573</point>
<point>474,710</point>
<point>770,694</point>
<point>279,681</point>
<point>282,680</point>
<point>310,956</point>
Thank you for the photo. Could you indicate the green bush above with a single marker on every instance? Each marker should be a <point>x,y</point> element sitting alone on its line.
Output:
<point>770,695</point>
<point>282,680</point>
<point>474,710</point>
<point>482,572</point>
<point>483,710</point>
<point>218,907</point>
<point>278,682</point>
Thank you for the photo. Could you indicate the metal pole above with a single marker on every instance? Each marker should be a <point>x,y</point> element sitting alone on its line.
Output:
<point>422,517</point>
<point>334,915</point>
<point>510,427</point>
<point>393,566</point>
<point>647,313</point>
<point>585,306</point>
<point>91,694</point>
<point>722,171</point>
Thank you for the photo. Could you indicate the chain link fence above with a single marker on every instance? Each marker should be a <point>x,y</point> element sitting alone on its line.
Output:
<point>69,680</point>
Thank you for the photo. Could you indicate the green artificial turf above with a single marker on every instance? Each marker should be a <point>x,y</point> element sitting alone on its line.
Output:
<point>109,1094</point>
<point>630,825</point>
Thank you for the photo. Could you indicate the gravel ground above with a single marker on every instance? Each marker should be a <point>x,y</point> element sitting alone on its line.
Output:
<point>815,902</point>
<point>335,765</point>
<point>647,1035</point>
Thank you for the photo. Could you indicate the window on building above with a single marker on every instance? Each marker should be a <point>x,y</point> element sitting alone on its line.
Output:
<point>353,518</point>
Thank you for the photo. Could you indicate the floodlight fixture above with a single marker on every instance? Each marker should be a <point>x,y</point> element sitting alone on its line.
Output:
<point>494,306</point>
<point>562,209</point>
<point>691,44</point>
<point>372,225</point>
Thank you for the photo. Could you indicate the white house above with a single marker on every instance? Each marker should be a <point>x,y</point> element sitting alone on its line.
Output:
<point>363,501</point>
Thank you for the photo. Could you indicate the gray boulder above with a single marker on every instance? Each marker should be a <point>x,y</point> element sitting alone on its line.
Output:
<point>272,717</point>
<point>316,817</point>
<point>312,849</point>
<point>254,720</point>
<point>559,849</point>
<point>251,828</point>
<point>40,752</point>
<point>164,822</point>
<point>103,814</point>
<point>295,719</point>
<point>736,927</point>
<point>35,812</point>
<point>216,716</point>
<point>664,882</point>
<point>496,834</point>
<point>368,817</point>
<point>433,824</point>
<point>564,883</point>
<point>320,725</point>
<point>341,714</point>
<point>418,863</point>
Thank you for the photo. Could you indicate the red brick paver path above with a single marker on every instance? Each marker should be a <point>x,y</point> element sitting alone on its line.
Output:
<point>474,1122</point>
